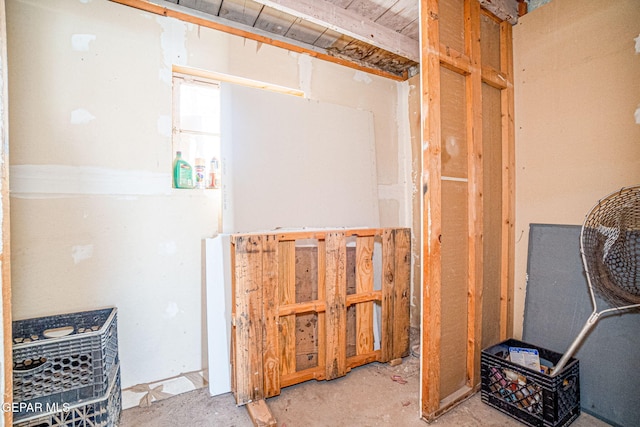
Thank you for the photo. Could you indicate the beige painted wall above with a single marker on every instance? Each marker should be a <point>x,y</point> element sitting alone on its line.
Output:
<point>94,220</point>
<point>577,94</point>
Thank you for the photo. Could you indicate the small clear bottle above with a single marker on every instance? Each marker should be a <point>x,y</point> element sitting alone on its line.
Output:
<point>214,173</point>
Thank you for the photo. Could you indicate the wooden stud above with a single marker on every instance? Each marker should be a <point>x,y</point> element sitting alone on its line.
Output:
<point>508,184</point>
<point>270,298</point>
<point>260,414</point>
<point>336,313</point>
<point>431,199</point>
<point>287,284</point>
<point>5,254</point>
<point>248,320</point>
<point>475,185</point>
<point>364,283</point>
<point>401,293</point>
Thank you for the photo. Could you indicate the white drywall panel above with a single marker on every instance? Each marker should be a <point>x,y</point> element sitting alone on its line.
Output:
<point>290,162</point>
<point>218,273</point>
<point>576,92</point>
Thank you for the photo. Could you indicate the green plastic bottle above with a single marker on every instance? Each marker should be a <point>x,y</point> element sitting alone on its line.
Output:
<point>182,172</point>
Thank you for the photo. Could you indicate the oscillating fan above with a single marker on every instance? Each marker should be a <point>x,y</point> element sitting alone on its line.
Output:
<point>610,247</point>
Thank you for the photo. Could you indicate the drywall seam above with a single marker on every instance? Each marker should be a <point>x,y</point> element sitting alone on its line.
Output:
<point>45,180</point>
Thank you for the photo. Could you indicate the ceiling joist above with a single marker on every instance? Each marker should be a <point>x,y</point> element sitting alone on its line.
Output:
<point>346,22</point>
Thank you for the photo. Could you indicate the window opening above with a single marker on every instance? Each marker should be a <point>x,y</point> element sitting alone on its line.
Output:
<point>196,132</point>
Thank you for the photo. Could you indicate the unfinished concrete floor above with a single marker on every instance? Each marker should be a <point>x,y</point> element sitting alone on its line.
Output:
<point>372,395</point>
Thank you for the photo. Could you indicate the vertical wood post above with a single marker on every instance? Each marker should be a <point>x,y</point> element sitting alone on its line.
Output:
<point>432,212</point>
<point>271,300</point>
<point>248,320</point>
<point>336,309</point>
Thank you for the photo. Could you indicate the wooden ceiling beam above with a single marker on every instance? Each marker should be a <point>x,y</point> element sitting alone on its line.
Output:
<point>349,23</point>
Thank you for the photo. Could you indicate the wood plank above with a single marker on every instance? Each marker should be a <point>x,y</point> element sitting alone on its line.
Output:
<point>315,373</point>
<point>388,281</point>
<point>508,182</point>
<point>287,294</point>
<point>5,253</point>
<point>260,414</point>
<point>475,192</point>
<point>336,289</point>
<point>401,293</point>
<point>270,298</point>
<point>248,319</point>
<point>322,295</point>
<point>350,23</point>
<point>431,226</point>
<point>364,283</point>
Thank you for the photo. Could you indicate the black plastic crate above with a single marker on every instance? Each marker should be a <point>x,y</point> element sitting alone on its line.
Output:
<point>63,359</point>
<point>102,412</point>
<point>534,398</point>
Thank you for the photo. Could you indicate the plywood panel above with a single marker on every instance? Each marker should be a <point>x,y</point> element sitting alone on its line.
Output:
<point>451,12</point>
<point>453,113</point>
<point>453,345</point>
<point>492,207</point>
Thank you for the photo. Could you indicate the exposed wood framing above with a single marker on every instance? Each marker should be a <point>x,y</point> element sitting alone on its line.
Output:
<point>186,15</point>
<point>432,212</point>
<point>508,184</point>
<point>469,64</point>
<point>265,306</point>
<point>5,253</point>
<point>475,186</point>
<point>347,22</point>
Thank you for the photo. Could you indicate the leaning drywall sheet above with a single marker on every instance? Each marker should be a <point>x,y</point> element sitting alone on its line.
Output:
<point>291,162</point>
<point>557,306</point>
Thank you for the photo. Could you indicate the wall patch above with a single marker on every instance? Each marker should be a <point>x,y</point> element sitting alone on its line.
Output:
<point>80,42</point>
<point>81,252</point>
<point>80,116</point>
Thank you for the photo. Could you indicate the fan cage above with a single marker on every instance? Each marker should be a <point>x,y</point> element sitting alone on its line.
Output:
<point>610,245</point>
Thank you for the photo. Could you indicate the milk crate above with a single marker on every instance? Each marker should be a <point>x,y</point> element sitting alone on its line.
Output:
<point>534,398</point>
<point>63,359</point>
<point>102,412</point>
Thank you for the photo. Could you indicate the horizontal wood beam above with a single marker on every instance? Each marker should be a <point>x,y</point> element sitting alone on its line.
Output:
<point>349,23</point>
<point>237,29</point>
